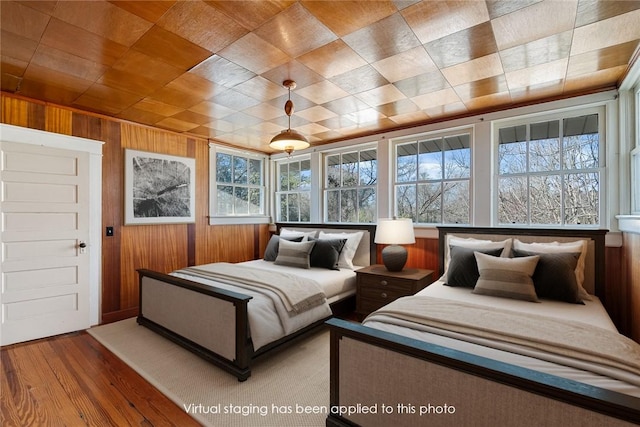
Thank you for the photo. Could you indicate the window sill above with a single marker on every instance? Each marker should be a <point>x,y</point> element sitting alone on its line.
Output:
<point>629,223</point>
<point>233,220</point>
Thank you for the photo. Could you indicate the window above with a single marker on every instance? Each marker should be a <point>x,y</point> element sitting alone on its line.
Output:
<point>293,192</point>
<point>549,172</point>
<point>350,186</point>
<point>432,179</point>
<point>239,189</point>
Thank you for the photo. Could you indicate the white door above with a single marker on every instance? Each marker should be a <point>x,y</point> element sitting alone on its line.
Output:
<point>45,233</point>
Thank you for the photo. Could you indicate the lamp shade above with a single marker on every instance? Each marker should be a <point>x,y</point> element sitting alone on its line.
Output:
<point>289,138</point>
<point>395,231</point>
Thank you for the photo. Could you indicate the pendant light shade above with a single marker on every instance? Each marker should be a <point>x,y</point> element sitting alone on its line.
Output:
<point>289,140</point>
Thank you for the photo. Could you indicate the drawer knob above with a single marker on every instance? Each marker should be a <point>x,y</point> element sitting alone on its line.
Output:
<point>383,295</point>
<point>383,282</point>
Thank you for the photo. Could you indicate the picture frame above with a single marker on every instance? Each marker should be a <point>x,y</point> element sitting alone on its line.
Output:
<point>159,188</point>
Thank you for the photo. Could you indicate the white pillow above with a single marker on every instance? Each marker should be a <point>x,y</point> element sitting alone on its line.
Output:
<point>561,247</point>
<point>349,249</point>
<point>472,243</point>
<point>286,233</point>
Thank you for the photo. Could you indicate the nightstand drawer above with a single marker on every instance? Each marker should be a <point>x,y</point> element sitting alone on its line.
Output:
<point>386,283</point>
<point>366,306</point>
<point>381,294</point>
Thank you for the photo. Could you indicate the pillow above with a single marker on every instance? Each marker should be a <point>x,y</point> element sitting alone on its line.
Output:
<point>451,240</point>
<point>556,247</point>
<point>288,234</point>
<point>271,252</point>
<point>349,250</point>
<point>326,253</point>
<point>294,254</point>
<point>555,276</point>
<point>463,269</point>
<point>506,277</point>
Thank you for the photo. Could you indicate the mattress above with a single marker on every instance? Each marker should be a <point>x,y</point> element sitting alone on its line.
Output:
<point>336,284</point>
<point>592,313</point>
<point>268,318</point>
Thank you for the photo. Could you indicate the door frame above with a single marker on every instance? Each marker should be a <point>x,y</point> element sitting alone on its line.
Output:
<point>10,133</point>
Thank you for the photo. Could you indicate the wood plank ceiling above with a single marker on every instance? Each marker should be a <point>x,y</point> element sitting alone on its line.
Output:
<point>215,68</point>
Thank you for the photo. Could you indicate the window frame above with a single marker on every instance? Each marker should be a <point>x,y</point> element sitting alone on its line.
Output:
<point>560,116</point>
<point>416,139</point>
<point>214,216</point>
<point>325,174</point>
<point>277,192</point>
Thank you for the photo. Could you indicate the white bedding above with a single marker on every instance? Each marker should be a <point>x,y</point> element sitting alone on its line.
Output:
<point>592,313</point>
<point>268,317</point>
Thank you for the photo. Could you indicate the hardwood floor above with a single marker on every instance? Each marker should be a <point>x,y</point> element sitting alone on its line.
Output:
<point>73,380</point>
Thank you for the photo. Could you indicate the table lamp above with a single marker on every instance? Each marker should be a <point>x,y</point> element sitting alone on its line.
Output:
<point>394,232</point>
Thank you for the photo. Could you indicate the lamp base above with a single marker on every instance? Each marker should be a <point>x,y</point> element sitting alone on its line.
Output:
<point>394,257</point>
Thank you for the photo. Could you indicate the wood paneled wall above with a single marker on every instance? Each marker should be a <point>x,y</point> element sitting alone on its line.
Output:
<point>631,245</point>
<point>158,247</point>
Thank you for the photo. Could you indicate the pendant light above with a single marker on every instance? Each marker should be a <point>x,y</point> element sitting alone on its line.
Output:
<point>289,140</point>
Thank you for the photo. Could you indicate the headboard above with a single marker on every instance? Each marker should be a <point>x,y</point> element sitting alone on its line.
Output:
<point>594,281</point>
<point>366,252</point>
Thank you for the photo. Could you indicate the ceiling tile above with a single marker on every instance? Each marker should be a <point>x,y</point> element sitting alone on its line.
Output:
<point>17,47</point>
<point>382,39</point>
<point>346,105</point>
<point>102,98</point>
<point>176,125</point>
<point>433,99</point>
<point>211,109</point>
<point>463,46</point>
<point>49,92</point>
<point>104,19</point>
<point>406,64</point>
<point>201,24</point>
<point>139,63</point>
<point>599,79</point>
<point>345,17</point>
<point>432,20</point>
<point>264,111</point>
<point>400,107</point>
<point>592,11</point>
<point>85,44</point>
<point>140,116</point>
<point>192,117</point>
<point>135,83</point>
<point>222,71</point>
<point>421,84</point>
<point>63,80</point>
<point>251,14</point>
<point>477,69</point>
<point>151,10</point>
<point>488,101</point>
<point>409,118</point>
<point>332,59</point>
<point>535,22</point>
<point>483,87</point>
<point>157,107</point>
<point>261,88</point>
<point>549,72</point>
<point>381,95</point>
<point>597,60</point>
<point>235,100</point>
<point>254,54</point>
<point>22,20</point>
<point>171,48</point>
<point>359,80</point>
<point>315,114</point>
<point>322,92</point>
<point>293,70</point>
<point>295,40</point>
<point>500,7</point>
<point>616,30</point>
<point>554,47</point>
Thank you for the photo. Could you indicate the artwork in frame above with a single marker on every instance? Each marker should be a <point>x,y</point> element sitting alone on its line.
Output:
<point>159,188</point>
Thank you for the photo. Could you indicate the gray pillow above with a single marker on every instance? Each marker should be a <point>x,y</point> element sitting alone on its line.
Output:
<point>463,270</point>
<point>506,277</point>
<point>326,253</point>
<point>294,254</point>
<point>271,252</point>
<point>555,276</point>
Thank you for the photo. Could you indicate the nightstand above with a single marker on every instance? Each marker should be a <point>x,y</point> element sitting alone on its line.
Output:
<point>376,286</point>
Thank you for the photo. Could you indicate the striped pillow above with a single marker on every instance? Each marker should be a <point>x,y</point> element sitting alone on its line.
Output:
<point>506,277</point>
<point>294,254</point>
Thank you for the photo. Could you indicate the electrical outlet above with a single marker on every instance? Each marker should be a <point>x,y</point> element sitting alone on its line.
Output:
<point>109,231</point>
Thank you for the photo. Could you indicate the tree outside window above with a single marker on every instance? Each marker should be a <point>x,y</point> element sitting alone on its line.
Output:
<point>350,186</point>
<point>432,179</point>
<point>293,194</point>
<point>239,185</point>
<point>548,172</point>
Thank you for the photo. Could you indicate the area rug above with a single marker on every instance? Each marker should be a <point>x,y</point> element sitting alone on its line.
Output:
<point>285,387</point>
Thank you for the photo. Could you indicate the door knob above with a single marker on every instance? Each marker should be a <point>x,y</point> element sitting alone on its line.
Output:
<point>82,245</point>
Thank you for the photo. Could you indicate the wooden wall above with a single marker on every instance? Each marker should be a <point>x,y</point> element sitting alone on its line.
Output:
<point>631,245</point>
<point>158,247</point>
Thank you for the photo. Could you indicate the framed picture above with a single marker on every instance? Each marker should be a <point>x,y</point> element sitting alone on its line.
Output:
<point>159,189</point>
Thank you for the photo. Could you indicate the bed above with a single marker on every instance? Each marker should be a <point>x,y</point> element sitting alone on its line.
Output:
<point>426,365</point>
<point>232,314</point>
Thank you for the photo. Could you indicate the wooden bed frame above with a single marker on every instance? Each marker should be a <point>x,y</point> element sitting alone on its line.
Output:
<point>401,375</point>
<point>222,336</point>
